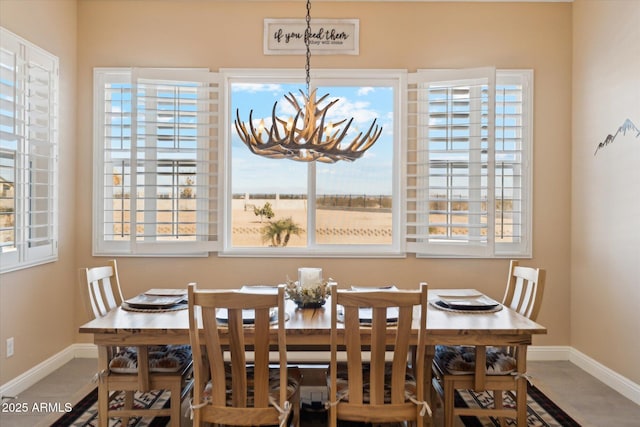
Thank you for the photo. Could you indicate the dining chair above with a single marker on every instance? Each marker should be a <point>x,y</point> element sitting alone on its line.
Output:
<point>378,322</point>
<point>230,388</point>
<point>131,369</point>
<point>482,368</point>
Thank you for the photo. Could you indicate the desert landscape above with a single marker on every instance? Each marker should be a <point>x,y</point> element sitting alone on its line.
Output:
<point>336,223</point>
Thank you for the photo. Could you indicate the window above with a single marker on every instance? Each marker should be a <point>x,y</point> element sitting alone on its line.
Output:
<point>449,177</point>
<point>28,154</point>
<point>468,180</point>
<point>279,206</point>
<point>156,175</point>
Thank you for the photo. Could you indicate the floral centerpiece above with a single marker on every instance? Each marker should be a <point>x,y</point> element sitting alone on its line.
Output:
<point>307,297</point>
<point>309,291</point>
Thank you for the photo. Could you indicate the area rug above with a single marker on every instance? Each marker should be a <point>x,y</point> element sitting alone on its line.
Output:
<point>541,411</point>
<point>85,412</point>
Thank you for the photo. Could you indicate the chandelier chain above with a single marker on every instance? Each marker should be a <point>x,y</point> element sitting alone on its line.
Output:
<point>307,36</point>
<point>308,136</point>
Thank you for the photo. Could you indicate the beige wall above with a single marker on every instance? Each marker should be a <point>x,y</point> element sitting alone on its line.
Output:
<point>605,290</point>
<point>405,35</point>
<point>37,305</point>
<point>219,34</point>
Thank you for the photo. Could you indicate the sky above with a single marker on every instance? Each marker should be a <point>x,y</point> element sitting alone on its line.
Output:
<point>371,174</point>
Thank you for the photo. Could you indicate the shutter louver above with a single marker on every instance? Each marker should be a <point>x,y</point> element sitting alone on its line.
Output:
<point>160,163</point>
<point>468,163</point>
<point>512,180</point>
<point>450,163</point>
<point>28,153</point>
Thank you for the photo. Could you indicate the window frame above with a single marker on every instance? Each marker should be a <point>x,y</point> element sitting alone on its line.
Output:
<point>35,129</point>
<point>205,213</point>
<point>402,243</point>
<point>424,247</point>
<point>320,78</point>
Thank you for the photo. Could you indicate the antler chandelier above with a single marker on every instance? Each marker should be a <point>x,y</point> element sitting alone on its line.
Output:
<point>316,139</point>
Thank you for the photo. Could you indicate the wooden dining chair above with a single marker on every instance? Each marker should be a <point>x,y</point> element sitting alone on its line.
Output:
<point>481,368</point>
<point>229,388</point>
<point>131,369</point>
<point>377,390</point>
<point>102,289</point>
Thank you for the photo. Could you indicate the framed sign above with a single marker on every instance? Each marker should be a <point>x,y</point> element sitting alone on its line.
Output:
<point>328,36</point>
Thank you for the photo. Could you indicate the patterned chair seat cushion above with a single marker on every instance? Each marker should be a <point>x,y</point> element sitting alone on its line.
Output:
<point>162,358</point>
<point>461,360</point>
<point>293,384</point>
<point>343,384</point>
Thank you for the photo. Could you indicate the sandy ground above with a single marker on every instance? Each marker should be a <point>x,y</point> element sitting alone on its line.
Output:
<point>333,226</point>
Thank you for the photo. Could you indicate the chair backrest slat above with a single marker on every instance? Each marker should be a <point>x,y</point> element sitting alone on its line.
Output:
<point>525,287</point>
<point>102,286</point>
<point>249,381</point>
<point>382,336</point>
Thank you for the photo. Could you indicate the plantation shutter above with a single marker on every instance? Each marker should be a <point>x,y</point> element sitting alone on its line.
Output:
<point>450,163</point>
<point>28,153</point>
<point>160,162</point>
<point>513,150</point>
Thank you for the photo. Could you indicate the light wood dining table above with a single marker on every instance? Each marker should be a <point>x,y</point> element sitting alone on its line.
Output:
<point>309,330</point>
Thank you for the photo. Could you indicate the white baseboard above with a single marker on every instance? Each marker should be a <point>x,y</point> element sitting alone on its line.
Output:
<point>85,351</point>
<point>41,370</point>
<point>621,384</point>
<point>548,353</point>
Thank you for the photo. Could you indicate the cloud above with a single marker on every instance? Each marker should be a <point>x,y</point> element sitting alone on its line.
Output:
<point>257,87</point>
<point>361,112</point>
<point>363,91</point>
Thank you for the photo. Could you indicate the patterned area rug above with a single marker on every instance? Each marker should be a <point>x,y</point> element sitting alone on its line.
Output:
<point>85,413</point>
<point>541,411</point>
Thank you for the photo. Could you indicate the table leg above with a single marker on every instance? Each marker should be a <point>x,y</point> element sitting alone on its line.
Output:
<point>521,385</point>
<point>103,392</point>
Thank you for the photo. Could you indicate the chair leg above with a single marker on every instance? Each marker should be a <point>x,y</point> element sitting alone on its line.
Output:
<point>296,409</point>
<point>103,404</point>
<point>128,404</point>
<point>449,392</point>
<point>333,416</point>
<point>435,398</point>
<point>176,391</point>
<point>497,403</point>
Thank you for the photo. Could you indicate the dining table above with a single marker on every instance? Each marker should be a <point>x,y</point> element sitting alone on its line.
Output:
<point>308,329</point>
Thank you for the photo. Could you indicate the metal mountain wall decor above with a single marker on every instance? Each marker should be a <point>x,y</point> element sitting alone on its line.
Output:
<point>627,126</point>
